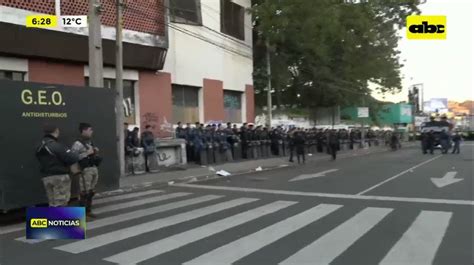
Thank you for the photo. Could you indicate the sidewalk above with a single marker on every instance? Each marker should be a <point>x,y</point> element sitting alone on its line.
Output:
<point>194,173</point>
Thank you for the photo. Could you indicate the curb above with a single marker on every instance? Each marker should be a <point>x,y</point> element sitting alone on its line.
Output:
<point>213,176</point>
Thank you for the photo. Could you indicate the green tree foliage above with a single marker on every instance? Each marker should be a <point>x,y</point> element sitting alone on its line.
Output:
<point>327,51</point>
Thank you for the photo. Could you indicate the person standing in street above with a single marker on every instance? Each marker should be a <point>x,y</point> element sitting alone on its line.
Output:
<point>424,142</point>
<point>457,143</point>
<point>299,141</point>
<point>430,141</point>
<point>89,160</point>
<point>291,143</point>
<point>333,142</point>
<point>444,139</point>
<point>55,161</point>
<point>244,137</point>
<point>148,143</point>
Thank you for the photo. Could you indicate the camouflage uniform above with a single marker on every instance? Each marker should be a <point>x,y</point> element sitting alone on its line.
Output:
<point>89,175</point>
<point>58,189</point>
<point>89,178</point>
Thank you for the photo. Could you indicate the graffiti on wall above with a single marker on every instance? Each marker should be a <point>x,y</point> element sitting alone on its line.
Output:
<point>163,156</point>
<point>167,156</point>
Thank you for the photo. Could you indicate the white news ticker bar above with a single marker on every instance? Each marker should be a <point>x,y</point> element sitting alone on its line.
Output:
<point>73,21</point>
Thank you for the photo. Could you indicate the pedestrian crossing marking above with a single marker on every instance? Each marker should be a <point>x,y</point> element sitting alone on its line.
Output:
<point>330,195</point>
<point>125,205</point>
<point>121,234</point>
<point>421,241</point>
<point>126,196</point>
<point>328,247</point>
<point>227,254</point>
<point>156,248</point>
<point>136,214</point>
<point>149,211</point>
<point>418,245</point>
<point>12,228</point>
<point>20,227</point>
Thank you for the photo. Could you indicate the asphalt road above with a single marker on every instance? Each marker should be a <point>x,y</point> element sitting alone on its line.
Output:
<point>394,208</point>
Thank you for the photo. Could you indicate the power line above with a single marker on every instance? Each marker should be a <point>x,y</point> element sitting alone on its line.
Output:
<point>210,29</point>
<point>192,34</point>
<point>223,34</point>
<point>216,11</point>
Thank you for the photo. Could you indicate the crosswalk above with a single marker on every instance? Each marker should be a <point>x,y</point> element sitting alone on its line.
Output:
<point>126,222</point>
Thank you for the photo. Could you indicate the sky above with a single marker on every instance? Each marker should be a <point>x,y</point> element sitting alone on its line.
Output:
<point>444,67</point>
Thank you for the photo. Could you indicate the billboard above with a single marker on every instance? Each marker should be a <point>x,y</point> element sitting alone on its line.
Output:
<point>25,108</point>
<point>362,112</point>
<point>439,105</point>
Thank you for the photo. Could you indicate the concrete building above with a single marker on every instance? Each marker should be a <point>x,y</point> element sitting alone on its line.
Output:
<point>184,60</point>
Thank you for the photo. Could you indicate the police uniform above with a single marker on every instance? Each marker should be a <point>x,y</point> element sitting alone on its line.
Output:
<point>55,161</point>
<point>90,173</point>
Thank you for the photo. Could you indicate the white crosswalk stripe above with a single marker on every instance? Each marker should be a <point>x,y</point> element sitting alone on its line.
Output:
<point>148,251</point>
<point>125,205</point>
<point>126,196</point>
<point>420,242</point>
<point>227,254</point>
<point>115,219</point>
<point>331,245</point>
<point>12,228</point>
<point>108,238</point>
<point>97,202</point>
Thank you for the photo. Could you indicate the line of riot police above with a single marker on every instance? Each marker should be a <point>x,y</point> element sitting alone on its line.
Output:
<point>218,143</point>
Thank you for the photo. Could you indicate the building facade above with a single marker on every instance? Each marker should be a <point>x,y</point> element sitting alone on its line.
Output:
<point>184,60</point>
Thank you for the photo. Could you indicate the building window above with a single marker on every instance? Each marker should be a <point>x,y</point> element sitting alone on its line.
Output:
<point>130,111</point>
<point>186,11</point>
<point>12,75</point>
<point>233,106</point>
<point>185,104</point>
<point>232,19</point>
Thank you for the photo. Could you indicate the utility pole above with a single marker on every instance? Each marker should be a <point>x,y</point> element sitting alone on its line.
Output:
<point>269,87</point>
<point>96,70</point>
<point>119,116</point>
<point>362,132</point>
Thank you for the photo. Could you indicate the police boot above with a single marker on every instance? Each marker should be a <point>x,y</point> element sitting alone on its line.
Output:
<point>89,205</point>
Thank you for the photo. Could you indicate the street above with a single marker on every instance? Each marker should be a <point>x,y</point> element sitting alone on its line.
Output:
<point>398,207</point>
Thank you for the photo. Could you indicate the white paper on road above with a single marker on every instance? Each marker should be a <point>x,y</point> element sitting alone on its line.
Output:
<point>119,206</point>
<point>156,248</point>
<point>121,234</point>
<point>227,254</point>
<point>315,175</point>
<point>328,247</point>
<point>421,241</point>
<point>126,196</point>
<point>223,173</point>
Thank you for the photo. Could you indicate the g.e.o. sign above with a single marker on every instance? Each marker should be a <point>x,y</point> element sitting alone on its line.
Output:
<point>42,97</point>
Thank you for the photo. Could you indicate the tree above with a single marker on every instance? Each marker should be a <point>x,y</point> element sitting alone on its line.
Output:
<point>328,52</point>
